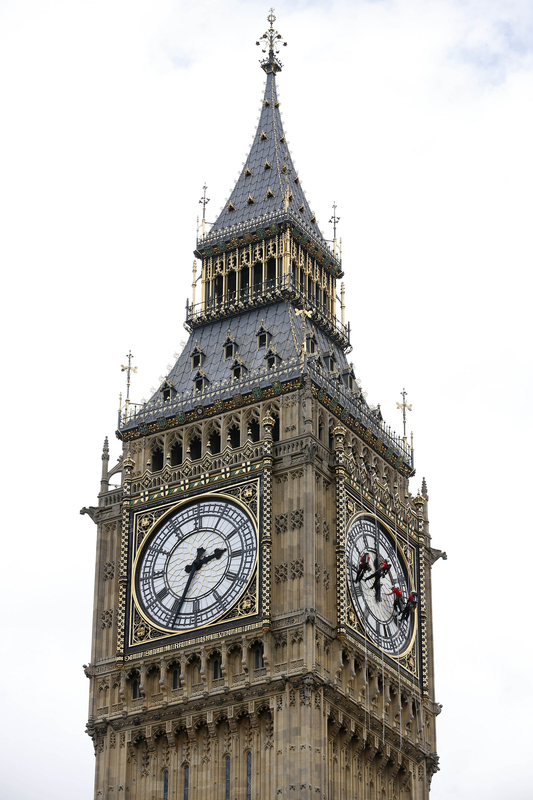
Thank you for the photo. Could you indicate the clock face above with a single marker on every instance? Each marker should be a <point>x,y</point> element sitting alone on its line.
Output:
<point>196,565</point>
<point>384,626</point>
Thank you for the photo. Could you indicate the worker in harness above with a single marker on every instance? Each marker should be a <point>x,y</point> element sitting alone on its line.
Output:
<point>364,566</point>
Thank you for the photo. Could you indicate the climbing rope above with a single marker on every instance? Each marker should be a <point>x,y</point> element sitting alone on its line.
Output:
<point>398,654</point>
<point>376,528</point>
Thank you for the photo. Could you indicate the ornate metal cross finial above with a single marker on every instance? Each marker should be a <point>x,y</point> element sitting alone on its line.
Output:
<point>404,406</point>
<point>287,192</point>
<point>271,40</point>
<point>204,201</point>
<point>334,219</point>
<point>129,369</point>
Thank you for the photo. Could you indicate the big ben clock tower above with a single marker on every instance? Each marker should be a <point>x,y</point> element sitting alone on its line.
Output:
<point>262,615</point>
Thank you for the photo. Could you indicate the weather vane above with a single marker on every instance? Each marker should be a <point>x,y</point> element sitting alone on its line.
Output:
<point>129,369</point>
<point>271,37</point>
<point>403,406</point>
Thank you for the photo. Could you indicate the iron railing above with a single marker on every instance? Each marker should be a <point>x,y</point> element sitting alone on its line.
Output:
<point>213,237</point>
<point>285,288</point>
<point>145,413</point>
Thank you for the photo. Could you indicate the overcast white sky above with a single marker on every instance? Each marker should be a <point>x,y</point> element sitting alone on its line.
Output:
<point>416,117</point>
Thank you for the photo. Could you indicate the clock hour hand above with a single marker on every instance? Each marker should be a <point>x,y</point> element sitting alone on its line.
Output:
<point>198,561</point>
<point>216,554</point>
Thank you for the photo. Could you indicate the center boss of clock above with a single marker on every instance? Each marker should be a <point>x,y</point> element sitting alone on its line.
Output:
<point>196,565</point>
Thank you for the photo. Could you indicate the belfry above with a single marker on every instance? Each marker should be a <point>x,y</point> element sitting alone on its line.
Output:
<point>262,616</point>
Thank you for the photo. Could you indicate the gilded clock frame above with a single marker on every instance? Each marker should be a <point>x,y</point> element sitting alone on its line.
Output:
<point>139,631</point>
<point>409,656</point>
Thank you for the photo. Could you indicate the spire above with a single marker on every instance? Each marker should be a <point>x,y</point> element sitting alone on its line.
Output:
<point>268,189</point>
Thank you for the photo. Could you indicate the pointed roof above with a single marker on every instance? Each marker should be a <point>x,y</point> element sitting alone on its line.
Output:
<point>268,179</point>
<point>268,188</point>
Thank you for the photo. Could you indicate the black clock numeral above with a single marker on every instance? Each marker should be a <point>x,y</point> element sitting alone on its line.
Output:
<point>236,553</point>
<point>163,593</point>
<point>233,577</point>
<point>175,607</point>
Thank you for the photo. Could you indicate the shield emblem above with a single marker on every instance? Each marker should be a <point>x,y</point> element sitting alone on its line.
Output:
<point>180,416</point>
<point>143,429</point>
<point>162,423</point>
<point>276,385</point>
<point>257,392</point>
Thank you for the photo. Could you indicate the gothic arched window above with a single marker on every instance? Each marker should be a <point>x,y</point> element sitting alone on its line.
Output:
<point>176,678</point>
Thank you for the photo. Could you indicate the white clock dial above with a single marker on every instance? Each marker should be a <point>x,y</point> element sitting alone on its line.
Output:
<point>197,564</point>
<point>386,628</point>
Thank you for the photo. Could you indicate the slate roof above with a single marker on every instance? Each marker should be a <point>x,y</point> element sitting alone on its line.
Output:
<point>284,328</point>
<point>276,320</point>
<point>267,172</point>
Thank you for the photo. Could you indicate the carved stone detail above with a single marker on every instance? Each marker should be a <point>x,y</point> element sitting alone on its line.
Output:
<point>281,523</point>
<point>297,519</point>
<point>106,618</point>
<point>297,568</point>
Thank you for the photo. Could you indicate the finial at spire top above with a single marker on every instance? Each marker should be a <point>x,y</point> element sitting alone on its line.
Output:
<point>271,40</point>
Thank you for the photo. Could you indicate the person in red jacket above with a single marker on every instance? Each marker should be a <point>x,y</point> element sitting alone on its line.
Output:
<point>364,566</point>
<point>379,573</point>
<point>410,606</point>
<point>398,600</point>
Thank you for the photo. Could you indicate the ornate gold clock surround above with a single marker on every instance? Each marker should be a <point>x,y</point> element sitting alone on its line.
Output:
<point>142,521</point>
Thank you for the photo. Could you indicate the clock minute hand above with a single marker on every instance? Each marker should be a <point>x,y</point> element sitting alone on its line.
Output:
<point>191,569</point>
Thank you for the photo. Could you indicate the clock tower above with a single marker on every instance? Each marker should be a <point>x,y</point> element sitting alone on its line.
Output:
<point>247,642</point>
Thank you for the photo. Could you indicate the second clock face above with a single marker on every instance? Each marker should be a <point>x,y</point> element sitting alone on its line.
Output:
<point>196,565</point>
<point>384,627</point>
